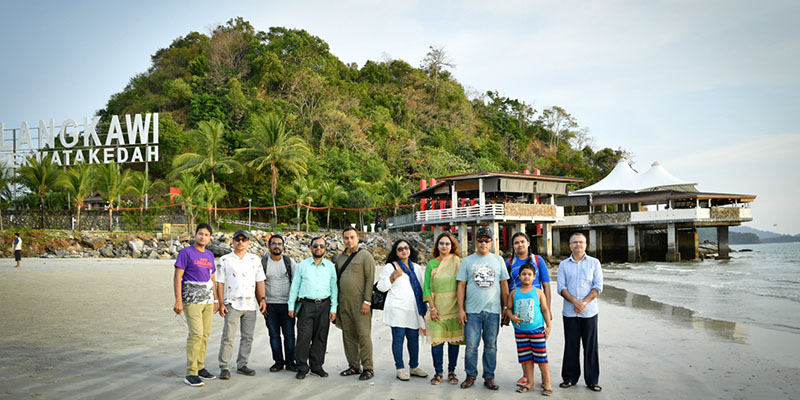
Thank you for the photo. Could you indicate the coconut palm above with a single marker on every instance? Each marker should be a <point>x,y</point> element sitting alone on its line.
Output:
<point>395,191</point>
<point>211,194</point>
<point>211,156</point>
<point>112,183</point>
<point>272,145</point>
<point>191,195</point>
<point>329,192</point>
<point>79,182</point>
<point>5,180</point>
<point>40,176</point>
<point>141,186</point>
<point>303,190</point>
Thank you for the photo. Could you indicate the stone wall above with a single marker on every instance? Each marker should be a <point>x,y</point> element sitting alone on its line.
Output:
<point>524,210</point>
<point>724,213</point>
<point>609,218</point>
<point>92,220</point>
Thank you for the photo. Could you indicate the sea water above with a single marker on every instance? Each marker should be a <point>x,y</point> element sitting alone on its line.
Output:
<point>759,287</point>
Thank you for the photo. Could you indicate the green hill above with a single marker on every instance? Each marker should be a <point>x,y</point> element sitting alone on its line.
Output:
<point>366,125</point>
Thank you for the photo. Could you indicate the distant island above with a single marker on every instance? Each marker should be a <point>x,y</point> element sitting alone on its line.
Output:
<point>747,235</point>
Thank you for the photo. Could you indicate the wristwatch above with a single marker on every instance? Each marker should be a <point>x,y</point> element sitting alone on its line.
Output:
<point>367,303</point>
<point>263,298</point>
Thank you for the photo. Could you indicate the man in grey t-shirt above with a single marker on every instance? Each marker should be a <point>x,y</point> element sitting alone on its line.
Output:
<point>279,281</point>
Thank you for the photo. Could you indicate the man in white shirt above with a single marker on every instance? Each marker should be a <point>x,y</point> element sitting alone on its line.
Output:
<point>240,282</point>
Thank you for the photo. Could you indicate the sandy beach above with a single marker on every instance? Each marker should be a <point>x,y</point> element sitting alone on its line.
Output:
<point>104,328</point>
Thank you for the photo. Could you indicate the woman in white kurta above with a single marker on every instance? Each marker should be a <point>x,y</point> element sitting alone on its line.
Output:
<point>404,309</point>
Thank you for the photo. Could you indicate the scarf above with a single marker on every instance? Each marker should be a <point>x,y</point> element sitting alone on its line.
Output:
<point>422,308</point>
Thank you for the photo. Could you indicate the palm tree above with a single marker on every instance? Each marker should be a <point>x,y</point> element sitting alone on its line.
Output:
<point>211,156</point>
<point>395,191</point>
<point>40,176</point>
<point>112,183</point>
<point>5,180</point>
<point>271,145</point>
<point>212,193</point>
<point>303,192</point>
<point>141,186</point>
<point>329,192</point>
<point>191,196</point>
<point>79,182</point>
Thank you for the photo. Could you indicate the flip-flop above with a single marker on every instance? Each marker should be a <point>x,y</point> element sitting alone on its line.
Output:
<point>523,389</point>
<point>594,388</point>
<point>566,384</point>
<point>547,392</point>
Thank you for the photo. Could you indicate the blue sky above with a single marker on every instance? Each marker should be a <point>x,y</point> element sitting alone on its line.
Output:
<point>710,89</point>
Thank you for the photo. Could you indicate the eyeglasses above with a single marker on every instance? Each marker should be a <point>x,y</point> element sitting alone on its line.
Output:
<point>445,243</point>
<point>317,246</point>
<point>276,244</point>
<point>484,240</point>
<point>240,239</point>
<point>403,248</point>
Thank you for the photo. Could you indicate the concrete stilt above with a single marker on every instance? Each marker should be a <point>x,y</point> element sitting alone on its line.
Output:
<point>556,242</point>
<point>631,243</point>
<point>463,238</point>
<point>495,238</point>
<point>641,246</point>
<point>672,244</point>
<point>547,240</point>
<point>722,243</point>
<point>594,242</point>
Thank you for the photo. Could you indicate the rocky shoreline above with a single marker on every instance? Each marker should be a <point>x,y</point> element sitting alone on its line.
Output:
<point>165,247</point>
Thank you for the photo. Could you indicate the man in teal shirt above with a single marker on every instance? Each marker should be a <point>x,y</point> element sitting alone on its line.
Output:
<point>313,297</point>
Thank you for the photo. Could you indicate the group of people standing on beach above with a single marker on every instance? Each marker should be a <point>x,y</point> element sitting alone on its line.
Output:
<point>453,301</point>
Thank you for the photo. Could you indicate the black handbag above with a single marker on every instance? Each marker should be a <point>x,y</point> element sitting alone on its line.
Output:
<point>378,297</point>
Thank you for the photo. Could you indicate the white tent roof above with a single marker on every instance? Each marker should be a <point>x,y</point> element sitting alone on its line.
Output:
<point>624,179</point>
<point>658,178</point>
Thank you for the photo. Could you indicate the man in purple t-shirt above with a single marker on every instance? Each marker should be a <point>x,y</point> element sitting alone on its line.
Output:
<point>195,290</point>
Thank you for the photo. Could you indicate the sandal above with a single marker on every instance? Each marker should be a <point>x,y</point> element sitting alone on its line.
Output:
<point>366,374</point>
<point>452,378</point>
<point>522,381</point>
<point>350,371</point>
<point>437,379</point>
<point>566,384</point>
<point>594,388</point>
<point>547,392</point>
<point>523,389</point>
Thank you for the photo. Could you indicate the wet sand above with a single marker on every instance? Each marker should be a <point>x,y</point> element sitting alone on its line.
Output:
<point>100,328</point>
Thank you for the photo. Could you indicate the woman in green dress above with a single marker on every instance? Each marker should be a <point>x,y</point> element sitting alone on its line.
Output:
<point>440,293</point>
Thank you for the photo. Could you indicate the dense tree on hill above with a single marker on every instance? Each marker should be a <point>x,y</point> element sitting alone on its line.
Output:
<point>364,124</point>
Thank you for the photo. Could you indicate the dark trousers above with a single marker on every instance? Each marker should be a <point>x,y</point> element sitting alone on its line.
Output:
<point>278,321</point>
<point>579,331</point>
<point>313,323</point>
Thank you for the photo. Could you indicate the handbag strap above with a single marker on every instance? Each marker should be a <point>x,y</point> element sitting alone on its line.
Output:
<point>346,263</point>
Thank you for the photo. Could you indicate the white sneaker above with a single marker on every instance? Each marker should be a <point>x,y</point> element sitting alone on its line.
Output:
<point>402,374</point>
<point>418,372</point>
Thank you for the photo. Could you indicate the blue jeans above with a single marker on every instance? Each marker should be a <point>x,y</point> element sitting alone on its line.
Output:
<point>413,346</point>
<point>484,325</point>
<point>438,355</point>
<point>278,321</point>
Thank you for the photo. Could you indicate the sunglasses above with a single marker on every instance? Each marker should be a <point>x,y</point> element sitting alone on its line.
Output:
<point>317,246</point>
<point>276,244</point>
<point>445,243</point>
<point>403,248</point>
<point>484,240</point>
<point>240,239</point>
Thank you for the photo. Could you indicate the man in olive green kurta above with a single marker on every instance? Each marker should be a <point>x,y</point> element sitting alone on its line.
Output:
<point>355,312</point>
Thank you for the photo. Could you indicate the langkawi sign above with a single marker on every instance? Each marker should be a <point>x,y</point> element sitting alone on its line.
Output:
<point>72,144</point>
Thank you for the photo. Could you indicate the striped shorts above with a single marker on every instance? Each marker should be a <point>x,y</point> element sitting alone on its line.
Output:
<point>531,346</point>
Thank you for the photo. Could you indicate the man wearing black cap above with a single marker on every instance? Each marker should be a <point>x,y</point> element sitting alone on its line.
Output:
<point>241,285</point>
<point>482,284</point>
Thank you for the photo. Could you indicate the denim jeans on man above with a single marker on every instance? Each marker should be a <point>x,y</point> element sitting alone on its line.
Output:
<point>484,325</point>
<point>278,322</point>
<point>412,335</point>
